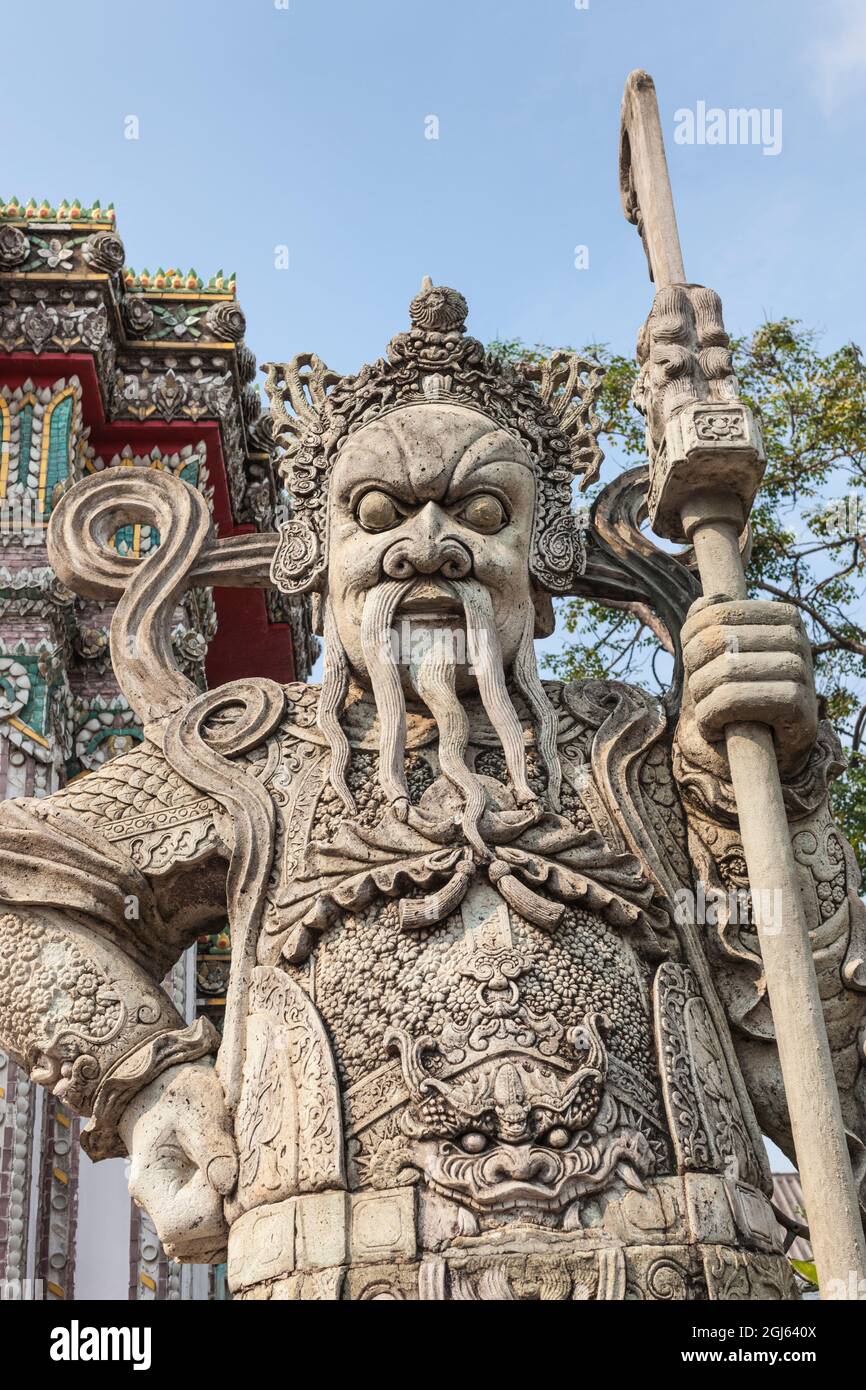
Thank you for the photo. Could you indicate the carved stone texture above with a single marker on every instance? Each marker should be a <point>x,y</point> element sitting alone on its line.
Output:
<point>64,288</point>
<point>226,321</point>
<point>473,1048</point>
<point>104,251</point>
<point>138,316</point>
<point>14,247</point>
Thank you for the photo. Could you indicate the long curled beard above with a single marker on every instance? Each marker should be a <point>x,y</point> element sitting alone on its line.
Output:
<point>436,656</point>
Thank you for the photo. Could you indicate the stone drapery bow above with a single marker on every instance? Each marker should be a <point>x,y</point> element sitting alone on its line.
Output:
<point>538,864</point>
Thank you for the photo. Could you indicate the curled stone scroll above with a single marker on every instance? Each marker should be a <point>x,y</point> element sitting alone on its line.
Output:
<point>169,705</point>
<point>148,590</point>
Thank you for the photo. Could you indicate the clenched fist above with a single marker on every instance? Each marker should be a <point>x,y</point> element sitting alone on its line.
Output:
<point>179,1139</point>
<point>749,660</point>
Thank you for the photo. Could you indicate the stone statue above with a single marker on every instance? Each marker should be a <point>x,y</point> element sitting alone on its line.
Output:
<point>481,1040</point>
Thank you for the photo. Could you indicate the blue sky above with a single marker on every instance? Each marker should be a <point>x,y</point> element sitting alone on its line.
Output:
<point>262,126</point>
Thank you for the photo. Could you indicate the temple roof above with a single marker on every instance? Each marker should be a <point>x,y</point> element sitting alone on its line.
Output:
<point>73,215</point>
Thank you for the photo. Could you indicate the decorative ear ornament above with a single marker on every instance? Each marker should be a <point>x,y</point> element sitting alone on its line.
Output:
<point>569,386</point>
<point>549,406</point>
<point>296,565</point>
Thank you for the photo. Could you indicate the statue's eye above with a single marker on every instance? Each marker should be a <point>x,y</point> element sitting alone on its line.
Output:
<point>473,1142</point>
<point>377,511</point>
<point>484,512</point>
<point>558,1138</point>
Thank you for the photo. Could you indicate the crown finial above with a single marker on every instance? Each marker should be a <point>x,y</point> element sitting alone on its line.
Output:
<point>438,308</point>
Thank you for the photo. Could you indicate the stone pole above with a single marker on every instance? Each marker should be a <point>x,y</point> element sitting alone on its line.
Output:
<point>702,484</point>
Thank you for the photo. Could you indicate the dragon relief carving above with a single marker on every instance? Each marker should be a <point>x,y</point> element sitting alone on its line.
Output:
<point>508,1113</point>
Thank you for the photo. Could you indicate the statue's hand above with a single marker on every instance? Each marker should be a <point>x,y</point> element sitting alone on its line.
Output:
<point>179,1138</point>
<point>684,356</point>
<point>750,659</point>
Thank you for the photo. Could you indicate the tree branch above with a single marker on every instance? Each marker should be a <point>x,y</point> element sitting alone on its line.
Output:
<point>847,643</point>
<point>645,615</point>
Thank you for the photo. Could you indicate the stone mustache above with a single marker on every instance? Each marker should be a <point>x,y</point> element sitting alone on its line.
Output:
<point>473,1048</point>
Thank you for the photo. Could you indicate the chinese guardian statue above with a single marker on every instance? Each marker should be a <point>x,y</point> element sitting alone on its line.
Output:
<point>474,1048</point>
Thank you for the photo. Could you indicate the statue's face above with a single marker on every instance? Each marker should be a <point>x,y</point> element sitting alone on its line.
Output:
<point>433,492</point>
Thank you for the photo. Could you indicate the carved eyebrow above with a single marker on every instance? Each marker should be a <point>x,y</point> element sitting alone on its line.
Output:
<point>366,471</point>
<point>498,446</point>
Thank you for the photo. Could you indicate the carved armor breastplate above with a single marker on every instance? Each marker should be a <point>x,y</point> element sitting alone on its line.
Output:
<point>523,1109</point>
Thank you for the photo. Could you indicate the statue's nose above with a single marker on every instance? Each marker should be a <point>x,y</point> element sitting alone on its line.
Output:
<point>520,1163</point>
<point>424,547</point>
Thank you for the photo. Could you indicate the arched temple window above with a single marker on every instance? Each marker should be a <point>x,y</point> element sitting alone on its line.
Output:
<point>5,445</point>
<point>56,448</point>
<point>20,464</point>
<point>135,539</point>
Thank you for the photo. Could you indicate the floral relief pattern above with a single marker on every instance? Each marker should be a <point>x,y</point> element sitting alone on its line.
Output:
<point>49,990</point>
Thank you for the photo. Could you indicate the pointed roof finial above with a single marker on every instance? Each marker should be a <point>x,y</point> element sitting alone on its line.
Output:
<point>439,308</point>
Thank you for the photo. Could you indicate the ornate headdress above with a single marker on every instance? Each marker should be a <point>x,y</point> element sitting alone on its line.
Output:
<point>548,405</point>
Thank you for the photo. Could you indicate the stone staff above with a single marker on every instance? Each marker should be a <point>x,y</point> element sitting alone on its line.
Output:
<point>706,462</point>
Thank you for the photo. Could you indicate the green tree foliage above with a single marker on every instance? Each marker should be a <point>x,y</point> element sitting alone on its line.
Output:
<point>809,526</point>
